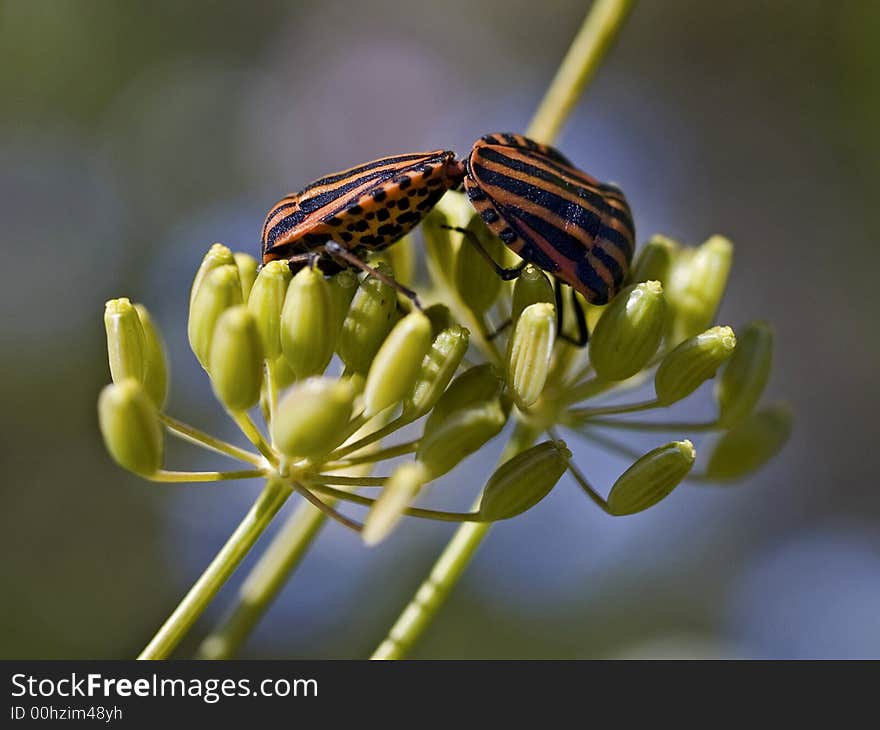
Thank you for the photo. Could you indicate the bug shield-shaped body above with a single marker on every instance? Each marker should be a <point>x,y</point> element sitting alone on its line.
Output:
<point>551,214</point>
<point>365,208</point>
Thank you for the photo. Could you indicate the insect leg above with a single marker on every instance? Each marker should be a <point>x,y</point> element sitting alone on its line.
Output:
<point>499,329</point>
<point>583,333</point>
<point>505,274</point>
<point>340,252</point>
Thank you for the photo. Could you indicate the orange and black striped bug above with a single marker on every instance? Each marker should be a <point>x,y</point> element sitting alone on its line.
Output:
<point>554,216</point>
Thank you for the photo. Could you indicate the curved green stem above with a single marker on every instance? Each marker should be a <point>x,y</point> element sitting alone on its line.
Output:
<point>198,437</point>
<point>217,573</point>
<point>427,600</point>
<point>249,429</point>
<point>581,415</point>
<point>693,427</point>
<point>586,52</point>
<point>163,475</point>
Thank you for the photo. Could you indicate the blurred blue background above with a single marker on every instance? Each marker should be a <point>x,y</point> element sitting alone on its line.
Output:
<point>133,135</point>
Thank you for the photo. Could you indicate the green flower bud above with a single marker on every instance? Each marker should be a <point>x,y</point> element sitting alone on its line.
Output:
<point>219,290</point>
<point>523,481</point>
<point>282,373</point>
<point>750,444</point>
<point>156,361</point>
<point>530,287</point>
<point>402,259</point>
<point>218,255</point>
<point>399,491</point>
<point>476,281</point>
<point>126,346</point>
<point>247,272</point>
<point>367,323</point>
<point>437,369</point>
<point>237,359</point>
<point>743,379</point>
<point>629,331</point>
<point>529,352</point>
<point>654,261</point>
<point>705,275</point>
<point>130,426</point>
<point>441,318</point>
<point>266,301</point>
<point>343,287</point>
<point>396,366</point>
<point>478,384</point>
<point>692,363</point>
<point>312,416</point>
<point>651,478</point>
<point>307,324</point>
<point>440,248</point>
<point>445,443</point>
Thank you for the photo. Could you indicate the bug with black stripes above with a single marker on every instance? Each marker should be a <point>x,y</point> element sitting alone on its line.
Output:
<point>551,214</point>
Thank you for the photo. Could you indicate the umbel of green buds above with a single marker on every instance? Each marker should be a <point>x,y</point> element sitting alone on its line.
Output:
<point>367,323</point>
<point>129,423</point>
<point>523,481</point>
<point>266,301</point>
<point>702,282</point>
<point>312,416</point>
<point>237,359</point>
<point>744,377</point>
<point>307,324</point>
<point>654,261</point>
<point>476,281</point>
<point>219,290</point>
<point>399,491</point>
<point>156,375</point>
<point>437,368</point>
<point>125,341</point>
<point>396,366</point>
<point>470,412</point>
<point>651,478</point>
<point>529,352</point>
<point>750,444</point>
<point>531,287</point>
<point>692,363</point>
<point>629,331</point>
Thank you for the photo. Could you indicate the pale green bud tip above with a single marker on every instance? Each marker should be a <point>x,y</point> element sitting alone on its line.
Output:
<point>705,276</point>
<point>458,435</point>
<point>266,301</point>
<point>401,488</point>
<point>247,272</point>
<point>237,359</point>
<point>218,255</point>
<point>220,290</point>
<point>651,478</point>
<point>125,341</point>
<point>529,353</point>
<point>308,334</point>
<point>654,261</point>
<point>396,366</point>
<point>437,368</point>
<point>129,423</point>
<point>367,322</point>
<point>311,418</point>
<point>744,377</point>
<point>692,363</point>
<point>751,443</point>
<point>523,481</point>
<point>531,286</point>
<point>629,331</point>
<point>155,358</point>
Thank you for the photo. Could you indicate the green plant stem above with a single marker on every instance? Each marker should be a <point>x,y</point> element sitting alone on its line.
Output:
<point>380,455</point>
<point>376,435</point>
<point>423,606</point>
<point>693,427</point>
<point>427,514</point>
<point>198,437</point>
<point>586,52</point>
<point>274,494</point>
<point>342,481</point>
<point>264,582</point>
<point>249,429</point>
<point>164,475</point>
<point>588,414</point>
<point>326,508</point>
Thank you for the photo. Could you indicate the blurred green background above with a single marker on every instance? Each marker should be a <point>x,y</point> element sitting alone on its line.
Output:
<point>134,134</point>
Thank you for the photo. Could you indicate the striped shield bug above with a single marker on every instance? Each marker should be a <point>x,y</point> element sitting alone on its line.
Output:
<point>336,220</point>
